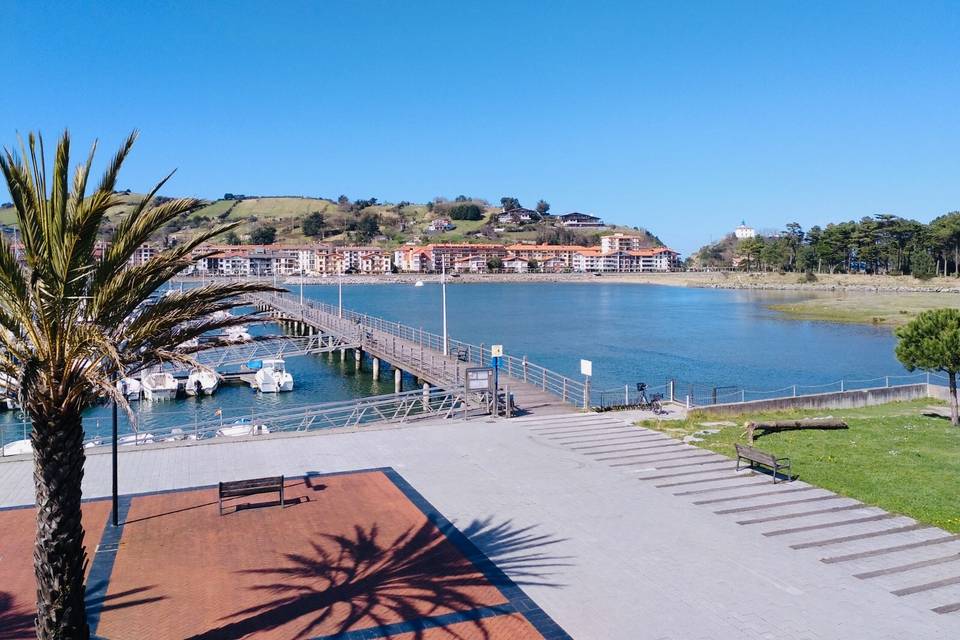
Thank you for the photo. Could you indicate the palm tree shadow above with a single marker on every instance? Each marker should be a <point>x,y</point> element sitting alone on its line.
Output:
<point>16,623</point>
<point>363,582</point>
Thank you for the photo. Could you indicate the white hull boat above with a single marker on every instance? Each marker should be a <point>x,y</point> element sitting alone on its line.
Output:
<point>159,386</point>
<point>419,283</point>
<point>130,388</point>
<point>273,377</point>
<point>17,447</point>
<point>135,439</point>
<point>236,337</point>
<point>202,383</point>
<point>243,428</point>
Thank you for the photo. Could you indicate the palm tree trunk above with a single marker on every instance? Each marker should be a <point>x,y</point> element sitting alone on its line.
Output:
<point>59,557</point>
<point>953,397</point>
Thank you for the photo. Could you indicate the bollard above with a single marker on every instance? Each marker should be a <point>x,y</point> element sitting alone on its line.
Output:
<point>426,396</point>
<point>688,401</point>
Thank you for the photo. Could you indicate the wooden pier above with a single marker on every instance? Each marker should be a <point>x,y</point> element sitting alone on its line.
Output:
<point>424,355</point>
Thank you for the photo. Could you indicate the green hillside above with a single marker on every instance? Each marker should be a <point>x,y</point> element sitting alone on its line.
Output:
<point>384,224</point>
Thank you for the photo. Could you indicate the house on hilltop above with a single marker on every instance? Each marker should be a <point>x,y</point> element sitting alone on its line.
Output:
<point>580,220</point>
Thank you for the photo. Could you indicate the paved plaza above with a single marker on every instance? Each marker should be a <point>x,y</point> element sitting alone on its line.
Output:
<point>613,531</point>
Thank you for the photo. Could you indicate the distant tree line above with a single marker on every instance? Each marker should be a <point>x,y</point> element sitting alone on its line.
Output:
<point>882,244</point>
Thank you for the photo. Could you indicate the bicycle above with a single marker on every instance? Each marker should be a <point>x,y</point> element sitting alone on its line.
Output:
<point>653,404</point>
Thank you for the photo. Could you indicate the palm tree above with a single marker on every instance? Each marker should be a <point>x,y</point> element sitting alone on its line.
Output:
<point>71,320</point>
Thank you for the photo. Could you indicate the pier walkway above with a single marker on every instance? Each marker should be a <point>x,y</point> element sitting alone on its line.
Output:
<point>535,390</point>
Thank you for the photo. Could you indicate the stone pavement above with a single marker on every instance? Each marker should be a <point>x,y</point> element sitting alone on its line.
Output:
<point>634,555</point>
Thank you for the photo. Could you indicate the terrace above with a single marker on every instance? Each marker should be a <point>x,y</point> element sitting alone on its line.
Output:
<point>484,528</point>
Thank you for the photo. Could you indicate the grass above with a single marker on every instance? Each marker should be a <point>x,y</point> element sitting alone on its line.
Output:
<point>891,456</point>
<point>867,307</point>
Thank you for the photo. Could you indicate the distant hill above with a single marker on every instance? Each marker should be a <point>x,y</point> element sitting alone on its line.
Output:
<point>361,221</point>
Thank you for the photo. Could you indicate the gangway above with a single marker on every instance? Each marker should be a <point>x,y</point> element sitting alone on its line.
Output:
<point>281,347</point>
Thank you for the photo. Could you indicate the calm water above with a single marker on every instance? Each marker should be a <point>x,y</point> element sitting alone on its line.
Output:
<point>631,333</point>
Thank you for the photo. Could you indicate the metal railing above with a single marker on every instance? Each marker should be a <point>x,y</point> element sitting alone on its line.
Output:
<point>395,408</point>
<point>703,394</point>
<point>260,349</point>
<point>422,349</point>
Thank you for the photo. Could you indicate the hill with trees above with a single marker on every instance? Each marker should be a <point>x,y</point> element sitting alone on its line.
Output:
<point>344,221</point>
<point>881,244</point>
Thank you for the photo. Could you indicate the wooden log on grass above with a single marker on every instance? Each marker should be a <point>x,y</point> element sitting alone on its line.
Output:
<point>792,425</point>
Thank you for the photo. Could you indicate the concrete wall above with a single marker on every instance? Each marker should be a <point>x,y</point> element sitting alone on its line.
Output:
<point>834,400</point>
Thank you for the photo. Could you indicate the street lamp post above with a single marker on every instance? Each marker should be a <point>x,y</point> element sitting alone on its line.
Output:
<point>115,495</point>
<point>301,286</point>
<point>340,291</point>
<point>443,299</point>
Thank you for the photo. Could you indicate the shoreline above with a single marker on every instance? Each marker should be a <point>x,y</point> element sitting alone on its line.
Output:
<point>826,283</point>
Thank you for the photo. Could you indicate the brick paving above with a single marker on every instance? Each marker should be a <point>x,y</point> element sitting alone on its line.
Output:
<point>17,582</point>
<point>350,556</point>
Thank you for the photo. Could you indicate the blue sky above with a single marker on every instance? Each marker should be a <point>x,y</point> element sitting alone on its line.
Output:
<point>681,117</point>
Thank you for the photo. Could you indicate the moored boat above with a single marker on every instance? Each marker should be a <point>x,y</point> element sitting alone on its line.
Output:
<point>130,388</point>
<point>243,427</point>
<point>159,386</point>
<point>202,382</point>
<point>17,447</point>
<point>273,377</point>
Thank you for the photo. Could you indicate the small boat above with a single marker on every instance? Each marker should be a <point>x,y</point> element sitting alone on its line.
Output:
<point>177,434</point>
<point>17,447</point>
<point>159,386</point>
<point>192,343</point>
<point>96,442</point>
<point>243,427</point>
<point>273,377</point>
<point>419,283</point>
<point>202,382</point>
<point>130,388</point>
<point>237,334</point>
<point>135,439</point>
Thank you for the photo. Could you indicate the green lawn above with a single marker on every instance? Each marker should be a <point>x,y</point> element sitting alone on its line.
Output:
<point>891,456</point>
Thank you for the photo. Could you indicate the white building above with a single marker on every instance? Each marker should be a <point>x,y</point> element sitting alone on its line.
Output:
<point>743,231</point>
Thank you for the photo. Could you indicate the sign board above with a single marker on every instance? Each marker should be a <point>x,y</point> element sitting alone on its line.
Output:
<point>479,379</point>
<point>586,367</point>
<point>496,350</point>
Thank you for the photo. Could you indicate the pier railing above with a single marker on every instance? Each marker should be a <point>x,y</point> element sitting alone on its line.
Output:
<point>394,408</point>
<point>426,345</point>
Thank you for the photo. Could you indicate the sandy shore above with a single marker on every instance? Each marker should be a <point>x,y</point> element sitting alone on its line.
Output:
<point>710,280</point>
<point>862,299</point>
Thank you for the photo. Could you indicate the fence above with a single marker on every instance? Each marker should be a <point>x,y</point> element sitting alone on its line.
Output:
<point>700,394</point>
<point>384,409</point>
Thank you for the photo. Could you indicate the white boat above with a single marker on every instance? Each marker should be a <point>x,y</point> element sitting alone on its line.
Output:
<point>419,283</point>
<point>130,388</point>
<point>192,343</point>
<point>177,434</point>
<point>243,427</point>
<point>17,447</point>
<point>237,334</point>
<point>135,439</point>
<point>273,377</point>
<point>202,382</point>
<point>159,386</point>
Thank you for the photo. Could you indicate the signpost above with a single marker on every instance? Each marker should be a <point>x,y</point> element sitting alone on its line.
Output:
<point>496,352</point>
<point>586,369</point>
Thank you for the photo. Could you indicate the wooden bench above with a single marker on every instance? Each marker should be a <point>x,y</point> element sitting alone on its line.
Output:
<point>756,456</point>
<point>238,488</point>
